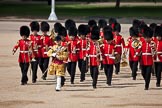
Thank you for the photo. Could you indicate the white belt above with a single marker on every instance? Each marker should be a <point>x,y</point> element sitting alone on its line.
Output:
<point>38,46</point>
<point>35,50</point>
<point>45,52</point>
<point>24,51</point>
<point>159,52</point>
<point>146,54</point>
<point>84,49</point>
<point>108,54</point>
<point>92,55</point>
<point>118,45</point>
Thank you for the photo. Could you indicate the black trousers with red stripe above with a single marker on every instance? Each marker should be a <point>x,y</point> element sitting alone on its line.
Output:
<point>158,70</point>
<point>94,74</point>
<point>146,73</point>
<point>24,70</point>
<point>108,69</point>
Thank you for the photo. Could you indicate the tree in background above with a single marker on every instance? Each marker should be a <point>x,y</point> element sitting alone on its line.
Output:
<point>117,3</point>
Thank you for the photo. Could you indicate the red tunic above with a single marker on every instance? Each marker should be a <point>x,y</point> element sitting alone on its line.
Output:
<point>36,45</point>
<point>158,57</point>
<point>146,57</point>
<point>119,43</point>
<point>73,50</point>
<point>93,54</point>
<point>108,50</point>
<point>25,54</point>
<point>46,44</point>
<point>82,48</point>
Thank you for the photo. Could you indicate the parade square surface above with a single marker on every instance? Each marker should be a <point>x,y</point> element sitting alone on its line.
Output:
<point>124,92</point>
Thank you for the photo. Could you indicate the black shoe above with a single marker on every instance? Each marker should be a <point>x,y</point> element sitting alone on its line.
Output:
<point>157,85</point>
<point>72,82</point>
<point>33,81</point>
<point>82,80</point>
<point>57,90</point>
<point>134,78</point>
<point>44,78</point>
<point>94,87</point>
<point>116,73</point>
<point>63,82</point>
<point>109,84</point>
<point>146,88</point>
<point>22,83</point>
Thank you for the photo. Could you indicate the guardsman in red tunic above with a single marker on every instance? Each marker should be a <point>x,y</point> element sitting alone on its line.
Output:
<point>25,47</point>
<point>94,54</point>
<point>73,53</point>
<point>147,54</point>
<point>36,45</point>
<point>134,43</point>
<point>120,44</point>
<point>82,61</point>
<point>108,50</point>
<point>46,45</point>
<point>158,55</point>
<point>153,27</point>
<point>102,23</point>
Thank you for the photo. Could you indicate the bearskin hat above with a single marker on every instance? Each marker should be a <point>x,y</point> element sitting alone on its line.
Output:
<point>158,31</point>
<point>57,25</point>
<point>24,31</point>
<point>44,26</point>
<point>108,35</point>
<point>153,26</point>
<point>69,23</point>
<point>142,26</point>
<point>82,30</point>
<point>58,38</point>
<point>107,28</point>
<point>112,22</point>
<point>34,25</point>
<point>92,23</point>
<point>95,33</point>
<point>117,27</point>
<point>72,31</point>
<point>102,23</point>
<point>147,32</point>
<point>133,31</point>
<point>87,28</point>
<point>62,31</point>
<point>135,23</point>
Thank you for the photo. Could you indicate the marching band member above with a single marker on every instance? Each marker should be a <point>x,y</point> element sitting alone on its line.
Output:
<point>25,47</point>
<point>147,53</point>
<point>36,44</point>
<point>63,34</point>
<point>108,50</point>
<point>112,22</point>
<point>46,45</point>
<point>58,54</point>
<point>158,55</point>
<point>82,51</point>
<point>120,44</point>
<point>101,24</point>
<point>73,53</point>
<point>94,54</point>
<point>133,45</point>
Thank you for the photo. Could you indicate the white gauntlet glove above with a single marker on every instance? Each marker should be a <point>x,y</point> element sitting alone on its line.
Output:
<point>53,54</point>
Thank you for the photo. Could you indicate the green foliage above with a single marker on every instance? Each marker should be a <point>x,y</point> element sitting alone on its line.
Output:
<point>79,11</point>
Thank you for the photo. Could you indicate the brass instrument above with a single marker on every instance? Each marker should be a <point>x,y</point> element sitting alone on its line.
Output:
<point>136,44</point>
<point>124,62</point>
<point>153,48</point>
